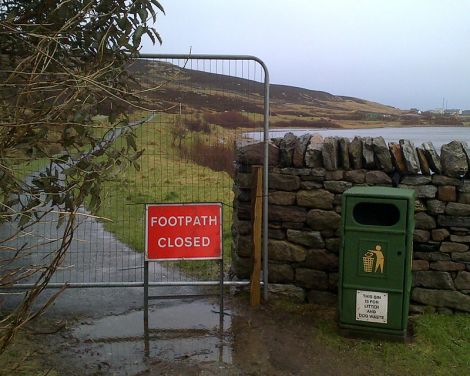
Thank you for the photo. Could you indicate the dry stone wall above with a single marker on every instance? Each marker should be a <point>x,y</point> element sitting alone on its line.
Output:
<point>308,175</point>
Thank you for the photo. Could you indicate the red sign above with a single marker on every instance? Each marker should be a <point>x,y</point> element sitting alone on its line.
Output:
<point>183,231</point>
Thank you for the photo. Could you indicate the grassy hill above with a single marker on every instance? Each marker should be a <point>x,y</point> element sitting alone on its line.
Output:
<point>290,106</point>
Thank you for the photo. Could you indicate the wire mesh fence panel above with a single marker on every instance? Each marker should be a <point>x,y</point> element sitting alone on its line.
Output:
<point>192,113</point>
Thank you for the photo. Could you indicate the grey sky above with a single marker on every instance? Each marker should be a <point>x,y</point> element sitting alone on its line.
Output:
<point>402,53</point>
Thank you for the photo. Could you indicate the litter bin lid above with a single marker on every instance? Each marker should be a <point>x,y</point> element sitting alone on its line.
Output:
<point>381,192</point>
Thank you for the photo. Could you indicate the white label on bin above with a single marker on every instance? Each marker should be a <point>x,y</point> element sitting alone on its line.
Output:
<point>371,306</point>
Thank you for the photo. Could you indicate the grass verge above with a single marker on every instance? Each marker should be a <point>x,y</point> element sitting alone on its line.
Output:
<point>165,175</point>
<point>440,345</point>
<point>25,357</point>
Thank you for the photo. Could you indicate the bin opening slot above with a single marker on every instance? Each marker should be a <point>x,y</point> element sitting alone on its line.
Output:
<point>376,214</point>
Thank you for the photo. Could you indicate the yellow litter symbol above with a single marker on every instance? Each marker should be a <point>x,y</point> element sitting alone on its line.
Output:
<point>374,257</point>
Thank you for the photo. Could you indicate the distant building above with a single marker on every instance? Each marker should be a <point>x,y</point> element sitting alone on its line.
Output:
<point>453,111</point>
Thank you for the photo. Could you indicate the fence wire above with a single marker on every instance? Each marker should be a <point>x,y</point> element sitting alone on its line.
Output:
<point>195,110</point>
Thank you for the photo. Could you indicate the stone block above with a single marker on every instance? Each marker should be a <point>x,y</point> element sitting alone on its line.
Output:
<point>431,256</point>
<point>397,157</point>
<point>461,257</point>
<point>421,236</point>
<point>435,206</point>
<point>453,159</point>
<point>244,246</point>
<point>334,175</point>
<point>292,225</point>
<point>432,157</point>
<point>419,206</point>
<point>243,210</point>
<point>320,259</point>
<point>281,250</point>
<point>446,266</point>
<point>337,186</point>
<point>241,227</point>
<point>464,186</point>
<point>422,191</point>
<point>319,199</point>
<point>450,247</point>
<point>447,193</point>
<point>311,279</point>
<point>287,213</point>
<point>327,233</point>
<point>429,246</point>
<point>313,154</point>
<point>294,171</point>
<point>281,198</point>
<point>309,185</point>
<point>460,238</point>
<point>440,298</point>
<point>299,150</point>
<point>330,153</point>
<point>368,153</point>
<point>445,180</point>
<point>423,162</point>
<point>439,234</point>
<point>355,176</point>
<point>382,154</point>
<point>241,266</point>
<point>421,309</point>
<point>420,265</point>
<point>410,156</point>
<point>433,280</point>
<point>378,178</point>
<point>453,221</point>
<point>416,180</point>
<point>424,221</point>
<point>286,149</point>
<point>355,153</point>
<point>343,146</point>
<point>283,182</point>
<point>276,233</point>
<point>333,244</point>
<point>462,281</point>
<point>333,279</point>
<point>253,154</point>
<point>280,273</point>
<point>310,239</point>
<point>319,219</point>
<point>463,198</point>
<point>457,209</point>
<point>243,180</point>
<point>243,195</point>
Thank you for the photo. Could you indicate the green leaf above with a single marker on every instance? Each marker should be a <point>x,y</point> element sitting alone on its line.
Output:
<point>25,218</point>
<point>158,5</point>
<point>136,38</point>
<point>131,142</point>
<point>143,14</point>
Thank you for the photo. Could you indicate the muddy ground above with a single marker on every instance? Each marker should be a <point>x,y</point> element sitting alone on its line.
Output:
<point>185,337</point>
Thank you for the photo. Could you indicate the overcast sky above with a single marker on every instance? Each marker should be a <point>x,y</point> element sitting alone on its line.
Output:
<point>404,53</point>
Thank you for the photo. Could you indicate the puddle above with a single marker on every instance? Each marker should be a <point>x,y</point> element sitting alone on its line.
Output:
<point>178,331</point>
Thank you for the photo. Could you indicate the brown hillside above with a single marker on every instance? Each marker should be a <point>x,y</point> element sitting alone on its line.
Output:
<point>290,106</point>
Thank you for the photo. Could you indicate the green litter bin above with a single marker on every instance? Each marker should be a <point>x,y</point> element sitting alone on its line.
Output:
<point>375,260</point>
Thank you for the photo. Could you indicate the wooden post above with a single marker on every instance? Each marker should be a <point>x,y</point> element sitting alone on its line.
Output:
<point>256,221</point>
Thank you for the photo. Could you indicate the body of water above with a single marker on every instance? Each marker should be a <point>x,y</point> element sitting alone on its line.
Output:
<point>437,135</point>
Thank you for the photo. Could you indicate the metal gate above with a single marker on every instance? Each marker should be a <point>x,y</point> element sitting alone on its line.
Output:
<point>201,105</point>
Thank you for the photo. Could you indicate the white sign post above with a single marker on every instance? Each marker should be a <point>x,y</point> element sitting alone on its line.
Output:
<point>371,306</point>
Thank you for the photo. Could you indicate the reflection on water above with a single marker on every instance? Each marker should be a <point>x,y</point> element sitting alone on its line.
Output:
<point>190,330</point>
<point>437,135</point>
